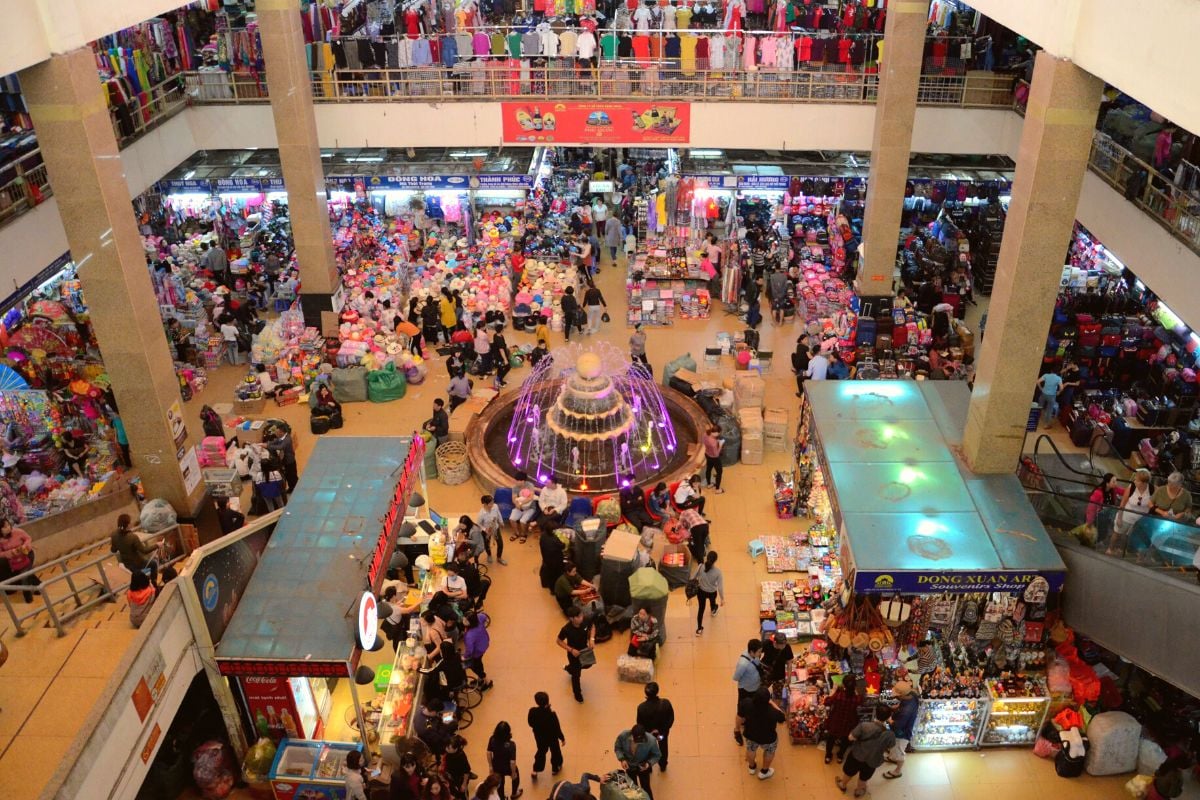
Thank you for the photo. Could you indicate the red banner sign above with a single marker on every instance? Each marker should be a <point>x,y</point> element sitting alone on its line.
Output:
<point>651,122</point>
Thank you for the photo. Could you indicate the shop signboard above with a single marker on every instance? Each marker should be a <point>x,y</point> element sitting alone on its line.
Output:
<point>186,187</point>
<point>713,181</point>
<point>272,185</point>
<point>632,123</point>
<point>779,182</point>
<point>920,582</point>
<point>283,668</point>
<point>386,543</point>
<point>501,182</point>
<point>224,185</point>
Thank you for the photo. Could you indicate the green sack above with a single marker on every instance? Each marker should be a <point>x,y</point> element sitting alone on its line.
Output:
<point>385,385</point>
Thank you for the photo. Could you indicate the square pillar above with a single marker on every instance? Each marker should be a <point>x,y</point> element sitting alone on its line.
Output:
<point>289,84</point>
<point>895,109</point>
<point>1055,142</point>
<point>75,134</point>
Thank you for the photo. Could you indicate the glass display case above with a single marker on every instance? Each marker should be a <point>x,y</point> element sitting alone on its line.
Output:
<point>949,723</point>
<point>305,770</point>
<point>1013,720</point>
<point>401,696</point>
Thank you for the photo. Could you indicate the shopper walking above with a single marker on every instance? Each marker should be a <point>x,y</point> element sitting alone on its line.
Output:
<point>657,715</point>
<point>483,349</point>
<point>554,554</point>
<point>547,735</point>
<point>133,553</point>
<point>491,521</point>
<point>842,717</point>
<point>800,360</point>
<point>638,752</point>
<point>713,443</point>
<point>1049,385</point>
<point>612,237</point>
<point>447,313</point>
<point>502,759</point>
<point>283,447</point>
<point>748,675</point>
<point>637,349</point>
<point>869,741</point>
<point>578,638</point>
<point>501,355</point>
<point>758,720</point>
<point>904,718</point>
<point>457,767</point>
<point>593,303</point>
<point>709,584</point>
<point>416,340</point>
<point>572,318</point>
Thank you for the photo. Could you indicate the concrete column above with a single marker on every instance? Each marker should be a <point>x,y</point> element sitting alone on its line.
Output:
<point>77,141</point>
<point>903,46</point>
<point>1063,103</point>
<point>290,86</point>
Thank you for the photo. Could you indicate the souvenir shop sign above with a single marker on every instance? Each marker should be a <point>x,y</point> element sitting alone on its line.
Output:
<point>596,123</point>
<point>872,582</point>
<point>779,182</point>
<point>222,186</point>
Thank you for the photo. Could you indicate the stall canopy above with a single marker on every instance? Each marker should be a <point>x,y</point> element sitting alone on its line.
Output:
<point>299,611</point>
<point>913,518</point>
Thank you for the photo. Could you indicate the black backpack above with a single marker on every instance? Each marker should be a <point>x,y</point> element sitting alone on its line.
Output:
<point>604,630</point>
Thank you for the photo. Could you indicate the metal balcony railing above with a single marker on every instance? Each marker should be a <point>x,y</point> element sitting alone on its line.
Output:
<point>28,189</point>
<point>134,119</point>
<point>613,80</point>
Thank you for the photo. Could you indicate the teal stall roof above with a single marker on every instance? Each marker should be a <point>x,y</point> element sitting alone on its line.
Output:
<point>301,602</point>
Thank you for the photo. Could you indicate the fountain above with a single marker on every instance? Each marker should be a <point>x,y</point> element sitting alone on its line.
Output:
<point>590,420</point>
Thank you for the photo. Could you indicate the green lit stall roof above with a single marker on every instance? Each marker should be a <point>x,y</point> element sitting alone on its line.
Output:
<point>914,518</point>
<point>836,401</point>
<point>299,605</point>
<point>882,441</point>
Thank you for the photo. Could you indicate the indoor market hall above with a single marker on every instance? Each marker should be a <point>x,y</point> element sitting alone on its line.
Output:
<point>598,400</point>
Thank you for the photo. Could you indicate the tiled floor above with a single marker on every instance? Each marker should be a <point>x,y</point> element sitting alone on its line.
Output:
<point>694,671</point>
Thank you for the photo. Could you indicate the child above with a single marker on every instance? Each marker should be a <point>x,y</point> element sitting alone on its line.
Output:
<point>542,331</point>
<point>141,596</point>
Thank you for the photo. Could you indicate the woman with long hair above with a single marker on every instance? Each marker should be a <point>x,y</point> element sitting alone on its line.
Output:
<point>1101,508</point>
<point>502,759</point>
<point>488,788</point>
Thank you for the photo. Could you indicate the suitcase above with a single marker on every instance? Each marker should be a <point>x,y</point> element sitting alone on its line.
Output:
<point>883,342</point>
<point>900,336</point>
<point>1081,431</point>
<point>864,333</point>
<point>319,424</point>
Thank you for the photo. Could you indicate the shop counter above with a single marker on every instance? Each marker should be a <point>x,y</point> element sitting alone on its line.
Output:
<point>308,770</point>
<point>949,723</point>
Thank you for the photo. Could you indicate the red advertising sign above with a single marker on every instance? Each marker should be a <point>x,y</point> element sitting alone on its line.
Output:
<point>271,707</point>
<point>644,123</point>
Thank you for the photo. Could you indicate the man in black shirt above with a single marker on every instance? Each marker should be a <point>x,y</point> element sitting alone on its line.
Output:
<point>757,719</point>
<point>777,654</point>
<point>230,519</point>
<point>439,423</point>
<point>574,637</point>
<point>657,715</point>
<point>570,312</point>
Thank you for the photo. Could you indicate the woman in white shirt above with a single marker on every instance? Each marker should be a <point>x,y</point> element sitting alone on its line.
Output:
<point>1135,506</point>
<point>688,495</point>
<point>356,777</point>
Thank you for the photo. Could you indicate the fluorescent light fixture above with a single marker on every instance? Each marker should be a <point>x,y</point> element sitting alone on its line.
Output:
<point>469,154</point>
<point>190,174</point>
<point>365,159</point>
<point>706,153</point>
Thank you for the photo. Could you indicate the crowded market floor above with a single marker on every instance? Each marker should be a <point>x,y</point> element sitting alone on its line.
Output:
<point>694,671</point>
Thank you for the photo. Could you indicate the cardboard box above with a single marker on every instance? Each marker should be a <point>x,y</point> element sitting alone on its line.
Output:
<point>620,546</point>
<point>246,407</point>
<point>751,457</point>
<point>750,420</point>
<point>688,377</point>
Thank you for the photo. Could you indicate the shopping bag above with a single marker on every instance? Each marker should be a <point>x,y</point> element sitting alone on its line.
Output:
<point>385,385</point>
<point>1139,785</point>
<point>587,657</point>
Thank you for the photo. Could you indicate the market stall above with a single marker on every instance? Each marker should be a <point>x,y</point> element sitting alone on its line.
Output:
<point>949,575</point>
<point>315,590</point>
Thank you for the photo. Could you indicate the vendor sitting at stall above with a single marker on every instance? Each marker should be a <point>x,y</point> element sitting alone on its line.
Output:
<point>552,502</point>
<point>687,495</point>
<point>633,507</point>
<point>438,425</point>
<point>659,501</point>
<point>570,588</point>
<point>644,634</point>
<point>326,406</point>
<point>75,451</point>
